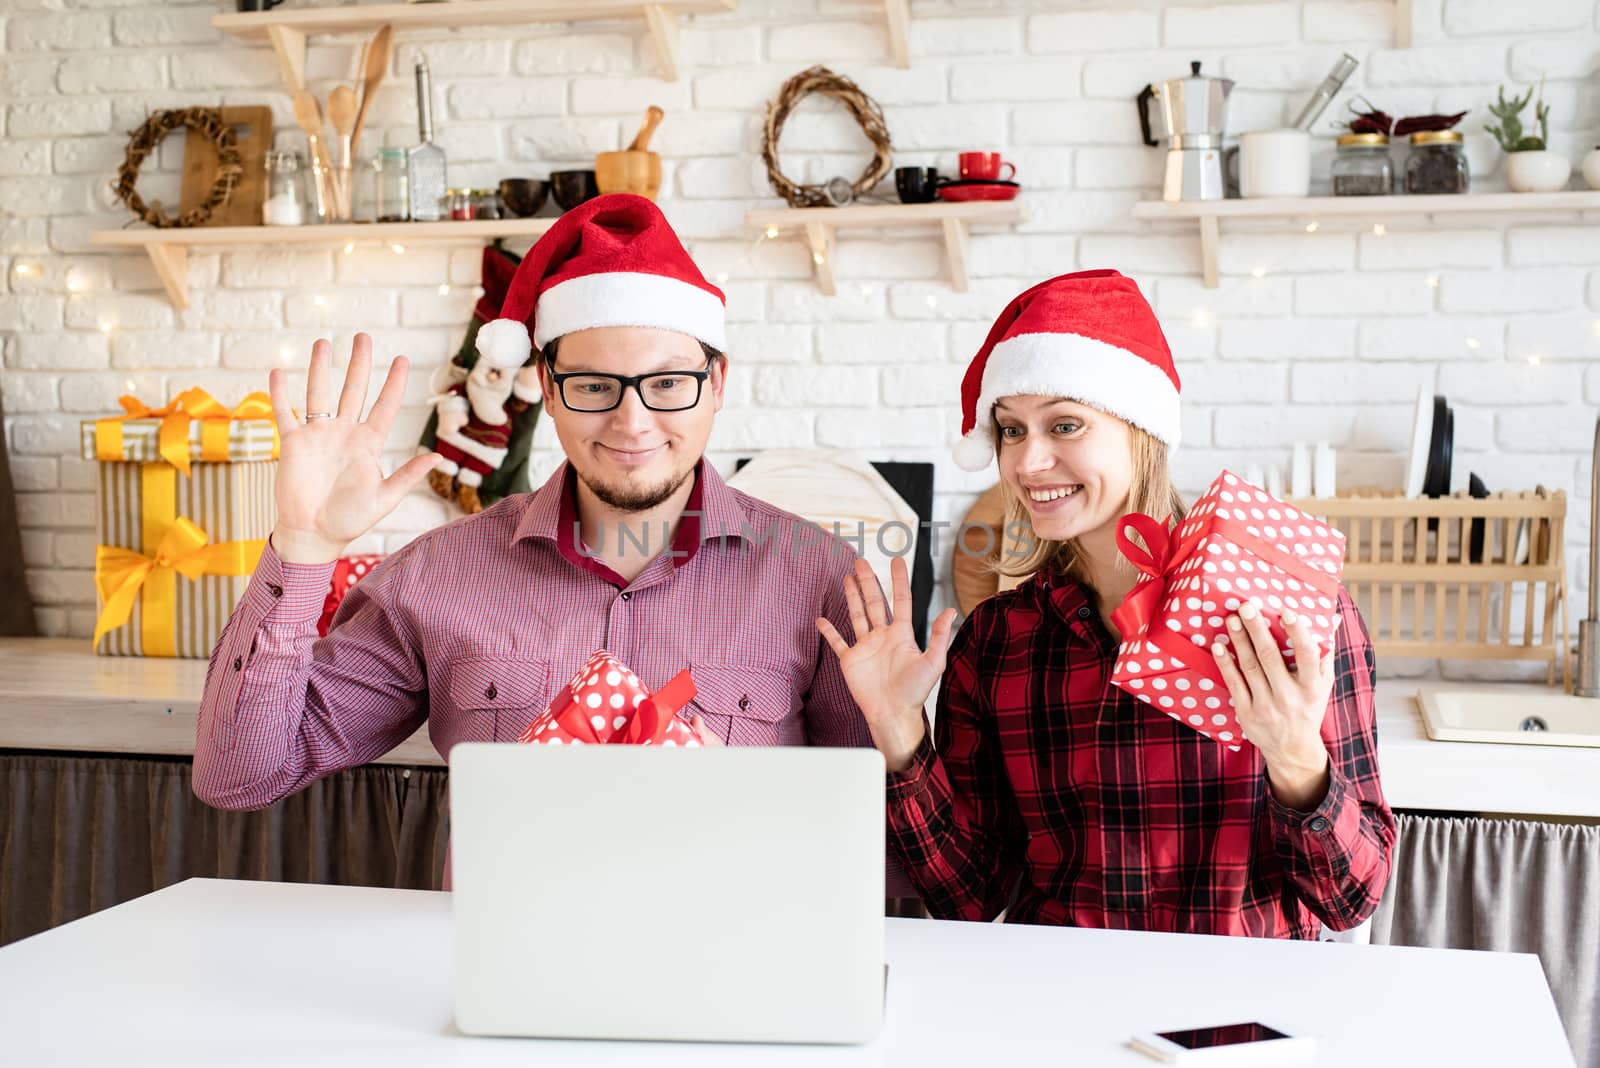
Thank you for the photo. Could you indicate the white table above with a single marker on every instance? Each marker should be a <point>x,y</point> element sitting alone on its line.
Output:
<point>212,972</point>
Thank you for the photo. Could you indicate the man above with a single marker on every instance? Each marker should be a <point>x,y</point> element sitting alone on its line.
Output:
<point>634,545</point>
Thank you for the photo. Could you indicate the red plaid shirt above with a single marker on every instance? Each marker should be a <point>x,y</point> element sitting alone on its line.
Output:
<point>1045,788</point>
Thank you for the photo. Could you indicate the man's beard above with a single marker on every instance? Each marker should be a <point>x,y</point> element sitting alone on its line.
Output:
<point>636,500</point>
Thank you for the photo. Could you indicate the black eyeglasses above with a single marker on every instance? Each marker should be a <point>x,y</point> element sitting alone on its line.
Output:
<point>660,391</point>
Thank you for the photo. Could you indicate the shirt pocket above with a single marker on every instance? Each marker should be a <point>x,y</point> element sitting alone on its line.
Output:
<point>497,699</point>
<point>747,706</point>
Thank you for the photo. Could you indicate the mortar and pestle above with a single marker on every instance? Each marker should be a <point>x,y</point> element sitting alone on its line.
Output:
<point>634,169</point>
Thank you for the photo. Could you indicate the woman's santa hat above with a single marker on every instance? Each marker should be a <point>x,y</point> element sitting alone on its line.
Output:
<point>610,261</point>
<point>1090,337</point>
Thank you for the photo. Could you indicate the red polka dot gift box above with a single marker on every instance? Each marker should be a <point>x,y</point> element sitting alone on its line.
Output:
<point>606,704</point>
<point>1238,544</point>
<point>347,571</point>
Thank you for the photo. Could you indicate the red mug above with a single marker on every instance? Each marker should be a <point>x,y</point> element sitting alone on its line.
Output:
<point>984,167</point>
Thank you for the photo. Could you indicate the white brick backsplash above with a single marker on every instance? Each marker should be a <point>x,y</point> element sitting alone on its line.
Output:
<point>332,309</point>
<point>1011,82</point>
<point>482,58</point>
<point>583,53</point>
<point>914,386</point>
<point>514,100</point>
<point>470,142</point>
<point>93,311</point>
<point>57,32</point>
<point>33,474</point>
<point>927,427</point>
<point>1506,292</point>
<point>1432,338</point>
<point>1419,249</point>
<point>1564,428</point>
<point>1286,339</point>
<point>720,177</point>
<point>949,126</point>
<point>429,307</point>
<point>1300,68</point>
<point>1263,426</point>
<point>57,350</point>
<point>880,343</point>
<point>73,550</point>
<point>1594,290</point>
<point>1501,384</point>
<point>225,69</point>
<point>110,73</point>
<point>277,268</point>
<point>1467,18</point>
<point>94,394</point>
<point>747,301</point>
<point>1566,56</point>
<point>31,313</point>
<point>1054,212</point>
<point>45,435</point>
<point>28,391</point>
<point>1143,253</point>
<point>1544,245</point>
<point>741,429</point>
<point>220,309</point>
<point>833,43</point>
<point>1247,298</point>
<point>1278,253</point>
<point>1122,76</point>
<point>1232,25</point>
<point>1118,168</point>
<point>964,36</point>
<point>58,118</point>
<point>810,387</point>
<point>759,343</point>
<point>137,350</point>
<point>1349,20</point>
<point>1569,338</point>
<point>264,351</point>
<point>61,586</point>
<point>1234,383</point>
<point>1333,383</point>
<point>741,89</point>
<point>922,300</point>
<point>1041,256</point>
<point>153,27</point>
<point>1591,384</point>
<point>1093,31</point>
<point>383,267</point>
<point>1372,294</point>
<point>802,302</point>
<point>1466,64</point>
<point>28,76</point>
<point>562,139</point>
<point>1081,121</point>
<point>707,46</point>
<point>88,155</point>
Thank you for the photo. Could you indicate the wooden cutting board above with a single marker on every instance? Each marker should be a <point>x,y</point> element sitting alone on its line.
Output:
<point>252,128</point>
<point>969,572</point>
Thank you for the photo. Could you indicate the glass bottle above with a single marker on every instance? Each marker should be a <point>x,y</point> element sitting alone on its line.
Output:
<point>1361,167</point>
<point>461,206</point>
<point>486,203</point>
<point>426,158</point>
<point>1437,163</point>
<point>391,186</point>
<point>286,190</point>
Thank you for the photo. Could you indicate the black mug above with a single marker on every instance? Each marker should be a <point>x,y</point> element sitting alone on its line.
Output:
<point>571,188</point>
<point>256,5</point>
<point>916,185</point>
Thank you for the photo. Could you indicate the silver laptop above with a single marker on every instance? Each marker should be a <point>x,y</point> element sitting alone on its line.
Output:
<point>708,895</point>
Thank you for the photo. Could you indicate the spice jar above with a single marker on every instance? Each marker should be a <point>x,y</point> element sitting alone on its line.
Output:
<point>286,190</point>
<point>391,186</point>
<point>1362,168</point>
<point>486,203</point>
<point>459,202</point>
<point>1437,163</point>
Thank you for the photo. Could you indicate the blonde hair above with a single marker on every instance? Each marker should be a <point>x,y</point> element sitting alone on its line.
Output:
<point>1152,493</point>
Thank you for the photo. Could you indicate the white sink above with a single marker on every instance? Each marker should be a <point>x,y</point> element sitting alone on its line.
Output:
<point>1510,718</point>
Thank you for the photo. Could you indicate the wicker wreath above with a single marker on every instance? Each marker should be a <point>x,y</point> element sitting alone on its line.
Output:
<point>863,107</point>
<point>144,140</point>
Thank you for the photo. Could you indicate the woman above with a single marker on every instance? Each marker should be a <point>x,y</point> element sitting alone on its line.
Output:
<point>1044,791</point>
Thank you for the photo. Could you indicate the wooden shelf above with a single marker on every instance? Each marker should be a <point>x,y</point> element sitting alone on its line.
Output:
<point>169,249</point>
<point>820,224</point>
<point>288,29</point>
<point>898,15</point>
<point>1210,213</point>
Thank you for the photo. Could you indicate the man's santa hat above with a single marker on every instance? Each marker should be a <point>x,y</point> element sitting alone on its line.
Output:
<point>610,261</point>
<point>1090,337</point>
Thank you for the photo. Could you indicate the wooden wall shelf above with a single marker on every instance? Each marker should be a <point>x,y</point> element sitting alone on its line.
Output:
<point>820,224</point>
<point>169,249</point>
<point>288,29</point>
<point>1209,213</point>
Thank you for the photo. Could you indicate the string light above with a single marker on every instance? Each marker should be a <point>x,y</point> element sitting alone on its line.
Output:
<point>933,300</point>
<point>1433,281</point>
<point>444,289</point>
<point>349,247</point>
<point>77,281</point>
<point>320,301</point>
<point>722,277</point>
<point>1534,359</point>
<point>1312,227</point>
<point>397,247</point>
<point>1474,344</point>
<point>127,384</point>
<point>106,326</point>
<point>1378,229</point>
<point>772,231</point>
<point>818,258</point>
<point>1258,272</point>
<point>27,270</point>
<point>1200,317</point>
<point>285,354</point>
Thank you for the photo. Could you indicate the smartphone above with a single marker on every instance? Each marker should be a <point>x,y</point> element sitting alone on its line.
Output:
<point>1241,1043</point>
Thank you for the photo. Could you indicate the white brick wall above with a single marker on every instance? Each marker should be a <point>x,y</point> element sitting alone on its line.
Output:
<point>1311,336</point>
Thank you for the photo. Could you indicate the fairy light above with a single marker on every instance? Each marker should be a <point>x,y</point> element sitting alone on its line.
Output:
<point>444,289</point>
<point>1474,344</point>
<point>772,231</point>
<point>107,325</point>
<point>1313,226</point>
<point>127,384</point>
<point>1534,359</point>
<point>77,281</point>
<point>320,301</point>
<point>349,247</point>
<point>1433,281</point>
<point>818,258</point>
<point>27,270</point>
<point>933,300</point>
<point>397,248</point>
<point>1258,272</point>
<point>477,291</point>
<point>285,354</point>
<point>722,278</point>
<point>1200,317</point>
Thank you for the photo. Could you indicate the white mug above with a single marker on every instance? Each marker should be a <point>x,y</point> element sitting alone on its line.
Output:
<point>1275,163</point>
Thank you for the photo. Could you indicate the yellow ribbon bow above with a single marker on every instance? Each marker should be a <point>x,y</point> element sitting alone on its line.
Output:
<point>121,574</point>
<point>172,440</point>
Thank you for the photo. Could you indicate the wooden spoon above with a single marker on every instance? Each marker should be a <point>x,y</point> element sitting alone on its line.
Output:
<point>373,68</point>
<point>342,107</point>
<point>309,116</point>
<point>652,119</point>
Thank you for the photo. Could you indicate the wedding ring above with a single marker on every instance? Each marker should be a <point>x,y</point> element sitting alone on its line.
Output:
<point>318,415</point>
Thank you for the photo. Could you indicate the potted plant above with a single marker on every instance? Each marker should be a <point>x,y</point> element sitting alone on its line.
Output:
<point>1530,166</point>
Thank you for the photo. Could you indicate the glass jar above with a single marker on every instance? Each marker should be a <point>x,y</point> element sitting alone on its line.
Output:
<point>460,205</point>
<point>391,186</point>
<point>286,190</point>
<point>486,203</point>
<point>1362,168</point>
<point>1437,163</point>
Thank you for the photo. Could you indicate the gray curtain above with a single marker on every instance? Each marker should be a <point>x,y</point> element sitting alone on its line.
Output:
<point>1509,886</point>
<point>83,833</point>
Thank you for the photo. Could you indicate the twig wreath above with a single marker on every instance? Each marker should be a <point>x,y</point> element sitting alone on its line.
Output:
<point>862,107</point>
<point>143,141</point>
